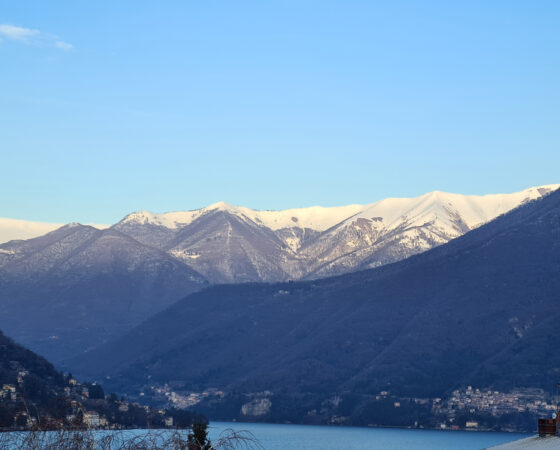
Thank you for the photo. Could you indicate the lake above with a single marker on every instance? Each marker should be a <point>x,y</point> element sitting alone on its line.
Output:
<point>308,437</point>
<point>282,437</point>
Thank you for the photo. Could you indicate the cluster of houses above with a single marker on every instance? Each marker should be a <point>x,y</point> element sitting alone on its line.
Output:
<point>185,399</point>
<point>81,399</point>
<point>9,392</point>
<point>91,419</point>
<point>493,402</point>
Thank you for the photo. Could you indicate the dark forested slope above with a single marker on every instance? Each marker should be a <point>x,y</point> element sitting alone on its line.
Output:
<point>77,286</point>
<point>483,310</point>
<point>34,395</point>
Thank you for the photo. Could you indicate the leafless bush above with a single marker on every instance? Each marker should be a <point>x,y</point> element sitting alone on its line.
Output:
<point>230,439</point>
<point>121,440</point>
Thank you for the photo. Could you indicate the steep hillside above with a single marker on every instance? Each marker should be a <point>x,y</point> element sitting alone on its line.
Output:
<point>223,247</point>
<point>77,286</point>
<point>15,359</point>
<point>481,310</point>
<point>34,395</point>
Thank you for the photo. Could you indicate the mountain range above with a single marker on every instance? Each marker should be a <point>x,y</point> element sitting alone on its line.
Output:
<point>229,244</point>
<point>79,286</point>
<point>481,310</point>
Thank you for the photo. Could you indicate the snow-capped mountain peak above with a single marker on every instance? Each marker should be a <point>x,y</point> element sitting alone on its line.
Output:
<point>473,209</point>
<point>316,241</point>
<point>222,206</point>
<point>228,243</point>
<point>315,217</point>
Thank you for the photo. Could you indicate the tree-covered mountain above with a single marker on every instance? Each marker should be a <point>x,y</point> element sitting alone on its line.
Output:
<point>78,286</point>
<point>34,395</point>
<point>482,310</point>
<point>17,362</point>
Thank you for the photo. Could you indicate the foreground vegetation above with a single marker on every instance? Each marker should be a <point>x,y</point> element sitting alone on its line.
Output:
<point>196,438</point>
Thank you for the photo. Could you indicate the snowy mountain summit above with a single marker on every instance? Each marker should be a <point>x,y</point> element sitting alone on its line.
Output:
<point>228,243</point>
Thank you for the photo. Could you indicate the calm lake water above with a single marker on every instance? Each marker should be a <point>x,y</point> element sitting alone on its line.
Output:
<point>307,437</point>
<point>303,437</point>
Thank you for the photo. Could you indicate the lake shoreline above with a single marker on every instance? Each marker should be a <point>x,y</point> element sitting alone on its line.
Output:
<point>469,430</point>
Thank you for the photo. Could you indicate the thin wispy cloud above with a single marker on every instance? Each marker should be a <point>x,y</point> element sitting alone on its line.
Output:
<point>31,36</point>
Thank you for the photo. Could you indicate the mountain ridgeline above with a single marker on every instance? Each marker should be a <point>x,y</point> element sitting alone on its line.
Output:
<point>482,310</point>
<point>77,287</point>
<point>229,244</point>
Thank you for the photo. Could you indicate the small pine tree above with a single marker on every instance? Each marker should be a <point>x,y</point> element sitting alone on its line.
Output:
<point>198,437</point>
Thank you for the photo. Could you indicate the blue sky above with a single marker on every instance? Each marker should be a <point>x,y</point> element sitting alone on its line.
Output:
<point>113,107</point>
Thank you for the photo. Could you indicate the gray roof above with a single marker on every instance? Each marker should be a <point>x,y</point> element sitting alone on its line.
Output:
<point>532,443</point>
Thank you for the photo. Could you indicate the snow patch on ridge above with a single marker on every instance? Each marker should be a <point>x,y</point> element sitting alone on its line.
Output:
<point>471,210</point>
<point>316,217</point>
